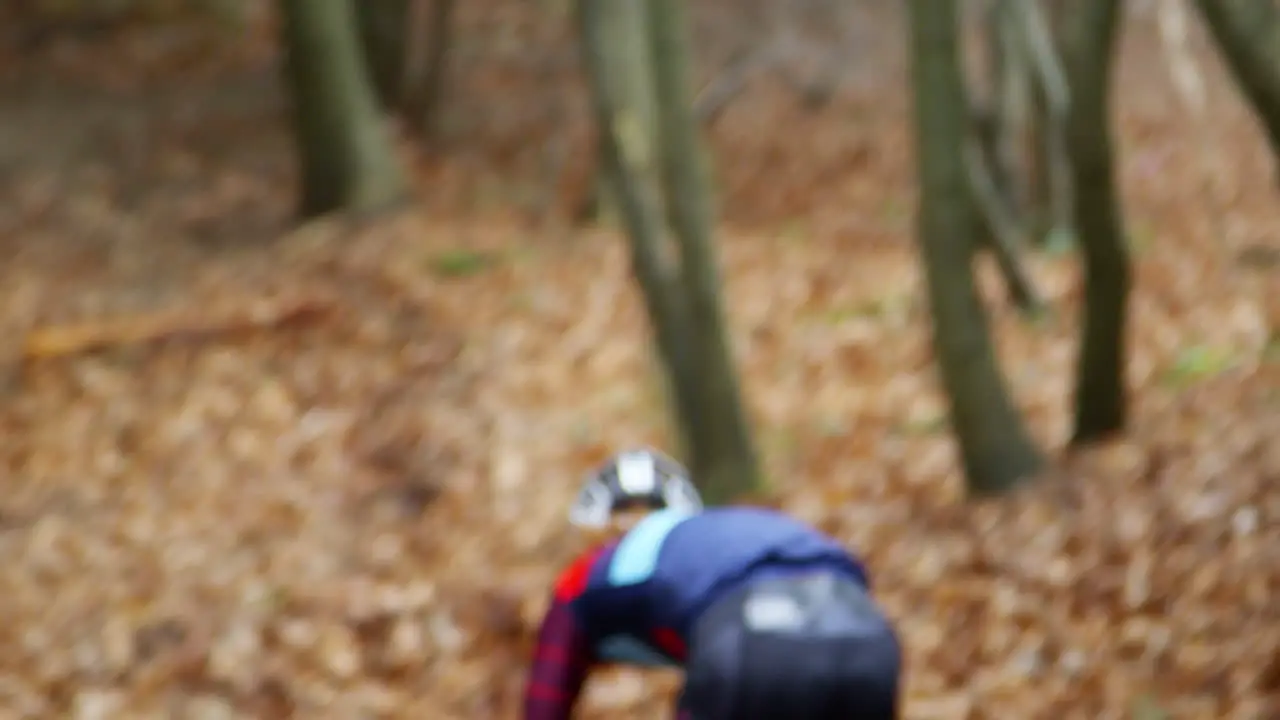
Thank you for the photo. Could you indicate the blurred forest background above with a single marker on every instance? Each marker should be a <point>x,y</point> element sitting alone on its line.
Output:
<point>294,403</point>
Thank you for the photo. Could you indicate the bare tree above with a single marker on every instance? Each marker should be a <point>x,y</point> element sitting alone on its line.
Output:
<point>996,223</point>
<point>431,22</point>
<point>1247,33</point>
<point>1025,113</point>
<point>1100,396</point>
<point>1050,198</point>
<point>407,46</point>
<point>663,194</point>
<point>625,29</point>
<point>1016,158</point>
<point>996,450</point>
<point>344,147</point>
<point>384,35</point>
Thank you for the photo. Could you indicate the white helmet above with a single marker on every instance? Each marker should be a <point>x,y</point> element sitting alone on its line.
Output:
<point>632,479</point>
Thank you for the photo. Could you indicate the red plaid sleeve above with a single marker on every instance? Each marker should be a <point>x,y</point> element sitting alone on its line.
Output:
<point>563,656</point>
<point>560,666</point>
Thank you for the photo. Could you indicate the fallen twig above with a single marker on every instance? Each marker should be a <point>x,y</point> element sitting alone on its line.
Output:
<point>63,340</point>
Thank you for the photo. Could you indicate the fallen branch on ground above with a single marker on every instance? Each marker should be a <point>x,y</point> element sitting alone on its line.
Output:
<point>63,340</point>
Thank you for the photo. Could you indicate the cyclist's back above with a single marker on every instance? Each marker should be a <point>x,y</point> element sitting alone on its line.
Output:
<point>768,616</point>
<point>675,564</point>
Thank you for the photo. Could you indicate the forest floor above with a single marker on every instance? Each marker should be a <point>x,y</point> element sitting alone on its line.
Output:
<point>255,471</point>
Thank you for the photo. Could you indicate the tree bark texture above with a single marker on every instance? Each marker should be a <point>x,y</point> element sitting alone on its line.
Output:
<point>1247,33</point>
<point>344,148</point>
<point>723,450</point>
<point>996,450</point>
<point>1100,394</point>
<point>384,35</point>
<point>659,182</point>
<point>428,67</point>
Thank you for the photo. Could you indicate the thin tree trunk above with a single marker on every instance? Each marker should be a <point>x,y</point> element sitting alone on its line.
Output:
<point>384,34</point>
<point>659,182</point>
<point>1050,200</point>
<point>1247,33</point>
<point>626,28</point>
<point>998,229</point>
<point>996,123</point>
<point>629,159</point>
<point>1040,200</point>
<point>995,448</point>
<point>344,147</point>
<point>1010,104</point>
<point>426,78</point>
<point>723,455</point>
<point>1100,395</point>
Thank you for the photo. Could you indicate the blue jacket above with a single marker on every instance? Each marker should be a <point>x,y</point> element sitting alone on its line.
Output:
<point>636,600</point>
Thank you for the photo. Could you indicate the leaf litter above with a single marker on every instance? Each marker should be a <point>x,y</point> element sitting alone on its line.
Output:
<point>360,515</point>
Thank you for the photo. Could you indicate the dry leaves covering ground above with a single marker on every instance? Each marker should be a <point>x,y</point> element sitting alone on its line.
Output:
<point>332,483</point>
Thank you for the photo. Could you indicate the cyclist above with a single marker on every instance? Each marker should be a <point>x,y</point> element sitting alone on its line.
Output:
<point>768,617</point>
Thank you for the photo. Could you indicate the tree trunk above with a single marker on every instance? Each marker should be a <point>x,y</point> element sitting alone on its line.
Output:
<point>992,159</point>
<point>384,34</point>
<point>1049,168</point>
<point>1247,33</point>
<point>1100,395</point>
<point>996,227</point>
<point>626,28</point>
<point>345,151</point>
<point>1011,84</point>
<point>659,194</point>
<point>428,66</point>
<point>628,158</point>
<point>1039,172</point>
<point>723,455</point>
<point>995,448</point>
